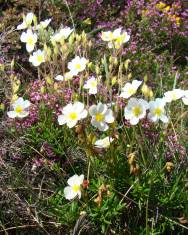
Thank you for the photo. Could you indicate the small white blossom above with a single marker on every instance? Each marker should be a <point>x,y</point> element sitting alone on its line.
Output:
<point>130,89</point>
<point>27,21</point>
<point>119,38</point>
<point>59,78</point>
<point>104,143</point>
<point>71,114</point>
<point>101,116</point>
<point>91,84</point>
<point>43,24</point>
<point>135,110</point>
<point>62,34</point>
<point>37,58</point>
<point>173,95</point>
<point>107,36</point>
<point>185,97</point>
<point>78,64</point>
<point>30,39</point>
<point>67,76</point>
<point>157,111</point>
<point>116,38</point>
<point>74,188</point>
<point>20,108</point>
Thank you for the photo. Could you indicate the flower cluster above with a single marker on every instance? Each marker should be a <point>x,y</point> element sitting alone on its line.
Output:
<point>100,114</point>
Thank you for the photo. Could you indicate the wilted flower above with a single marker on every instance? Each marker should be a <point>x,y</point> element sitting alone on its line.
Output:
<point>135,110</point>
<point>30,39</point>
<point>37,58</point>
<point>27,21</point>
<point>71,114</point>
<point>173,95</point>
<point>78,64</point>
<point>20,107</point>
<point>91,84</point>
<point>101,115</point>
<point>103,143</point>
<point>74,188</point>
<point>157,111</point>
<point>130,89</point>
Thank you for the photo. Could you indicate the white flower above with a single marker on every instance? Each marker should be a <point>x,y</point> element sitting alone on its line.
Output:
<point>30,39</point>
<point>74,188</point>
<point>37,58</point>
<point>157,110</point>
<point>120,40</point>
<point>107,36</point>
<point>27,21</point>
<point>101,115</point>
<point>185,97</point>
<point>71,114</point>
<point>175,94</point>
<point>91,84</point>
<point>104,143</point>
<point>130,89</point>
<point>78,64</point>
<point>135,110</point>
<point>62,34</point>
<point>67,76</point>
<point>43,24</point>
<point>20,107</point>
<point>59,78</point>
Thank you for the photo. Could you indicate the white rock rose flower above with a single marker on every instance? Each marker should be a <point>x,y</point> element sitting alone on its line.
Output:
<point>62,34</point>
<point>130,89</point>
<point>135,110</point>
<point>173,95</point>
<point>37,58</point>
<point>43,24</point>
<point>119,38</point>
<point>27,21</point>
<point>101,116</point>
<point>20,108</point>
<point>107,36</point>
<point>78,64</point>
<point>74,188</point>
<point>91,85</point>
<point>157,110</point>
<point>71,114</point>
<point>104,143</point>
<point>30,39</point>
<point>67,76</point>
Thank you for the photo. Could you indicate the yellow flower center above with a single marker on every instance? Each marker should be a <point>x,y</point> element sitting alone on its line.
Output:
<point>174,96</point>
<point>131,91</point>
<point>19,109</point>
<point>40,58</point>
<point>30,41</point>
<point>158,111</point>
<point>137,111</point>
<point>93,84</point>
<point>111,37</point>
<point>73,116</point>
<point>78,66</point>
<point>99,117</point>
<point>76,188</point>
